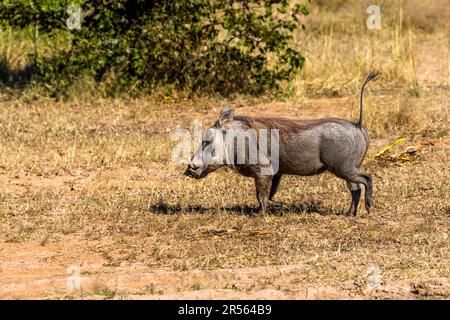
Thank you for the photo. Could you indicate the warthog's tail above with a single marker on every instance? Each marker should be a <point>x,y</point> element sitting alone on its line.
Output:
<point>371,76</point>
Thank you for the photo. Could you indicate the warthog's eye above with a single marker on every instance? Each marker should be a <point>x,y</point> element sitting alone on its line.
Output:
<point>209,135</point>
<point>205,144</point>
<point>208,138</point>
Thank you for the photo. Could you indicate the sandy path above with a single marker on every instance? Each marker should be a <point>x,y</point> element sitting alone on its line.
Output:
<point>30,270</point>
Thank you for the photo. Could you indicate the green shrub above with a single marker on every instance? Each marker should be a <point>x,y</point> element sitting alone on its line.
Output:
<point>207,46</point>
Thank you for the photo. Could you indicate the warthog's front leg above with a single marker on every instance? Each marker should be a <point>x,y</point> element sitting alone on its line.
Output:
<point>274,187</point>
<point>273,190</point>
<point>263,185</point>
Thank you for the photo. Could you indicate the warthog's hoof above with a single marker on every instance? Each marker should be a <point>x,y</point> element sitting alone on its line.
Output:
<point>350,213</point>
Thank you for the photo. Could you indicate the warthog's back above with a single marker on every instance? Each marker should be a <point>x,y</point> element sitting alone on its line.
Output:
<point>309,147</point>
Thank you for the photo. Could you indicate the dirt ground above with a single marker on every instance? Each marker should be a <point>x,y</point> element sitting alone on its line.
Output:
<point>116,222</point>
<point>31,271</point>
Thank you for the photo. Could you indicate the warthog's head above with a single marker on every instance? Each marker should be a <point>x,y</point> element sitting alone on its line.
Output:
<point>210,156</point>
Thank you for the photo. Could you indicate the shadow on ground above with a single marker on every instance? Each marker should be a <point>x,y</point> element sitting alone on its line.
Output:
<point>312,207</point>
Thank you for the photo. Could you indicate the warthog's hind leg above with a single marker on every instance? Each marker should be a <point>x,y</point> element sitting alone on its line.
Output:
<point>356,195</point>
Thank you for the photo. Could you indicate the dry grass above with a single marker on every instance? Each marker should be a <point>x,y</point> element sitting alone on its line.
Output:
<point>340,49</point>
<point>89,182</point>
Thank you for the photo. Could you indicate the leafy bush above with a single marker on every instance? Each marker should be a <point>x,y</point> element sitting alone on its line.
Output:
<point>220,46</point>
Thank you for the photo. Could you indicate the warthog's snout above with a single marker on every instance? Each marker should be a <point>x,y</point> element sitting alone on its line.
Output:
<point>189,172</point>
<point>196,173</point>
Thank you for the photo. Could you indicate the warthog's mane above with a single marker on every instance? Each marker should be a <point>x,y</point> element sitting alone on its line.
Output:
<point>284,125</point>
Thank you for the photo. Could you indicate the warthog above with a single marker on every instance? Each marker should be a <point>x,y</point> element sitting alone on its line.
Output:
<point>305,148</point>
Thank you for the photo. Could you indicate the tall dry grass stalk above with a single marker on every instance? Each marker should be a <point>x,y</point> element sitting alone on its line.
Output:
<point>340,49</point>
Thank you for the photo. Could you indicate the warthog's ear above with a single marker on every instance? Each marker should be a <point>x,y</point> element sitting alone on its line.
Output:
<point>226,115</point>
